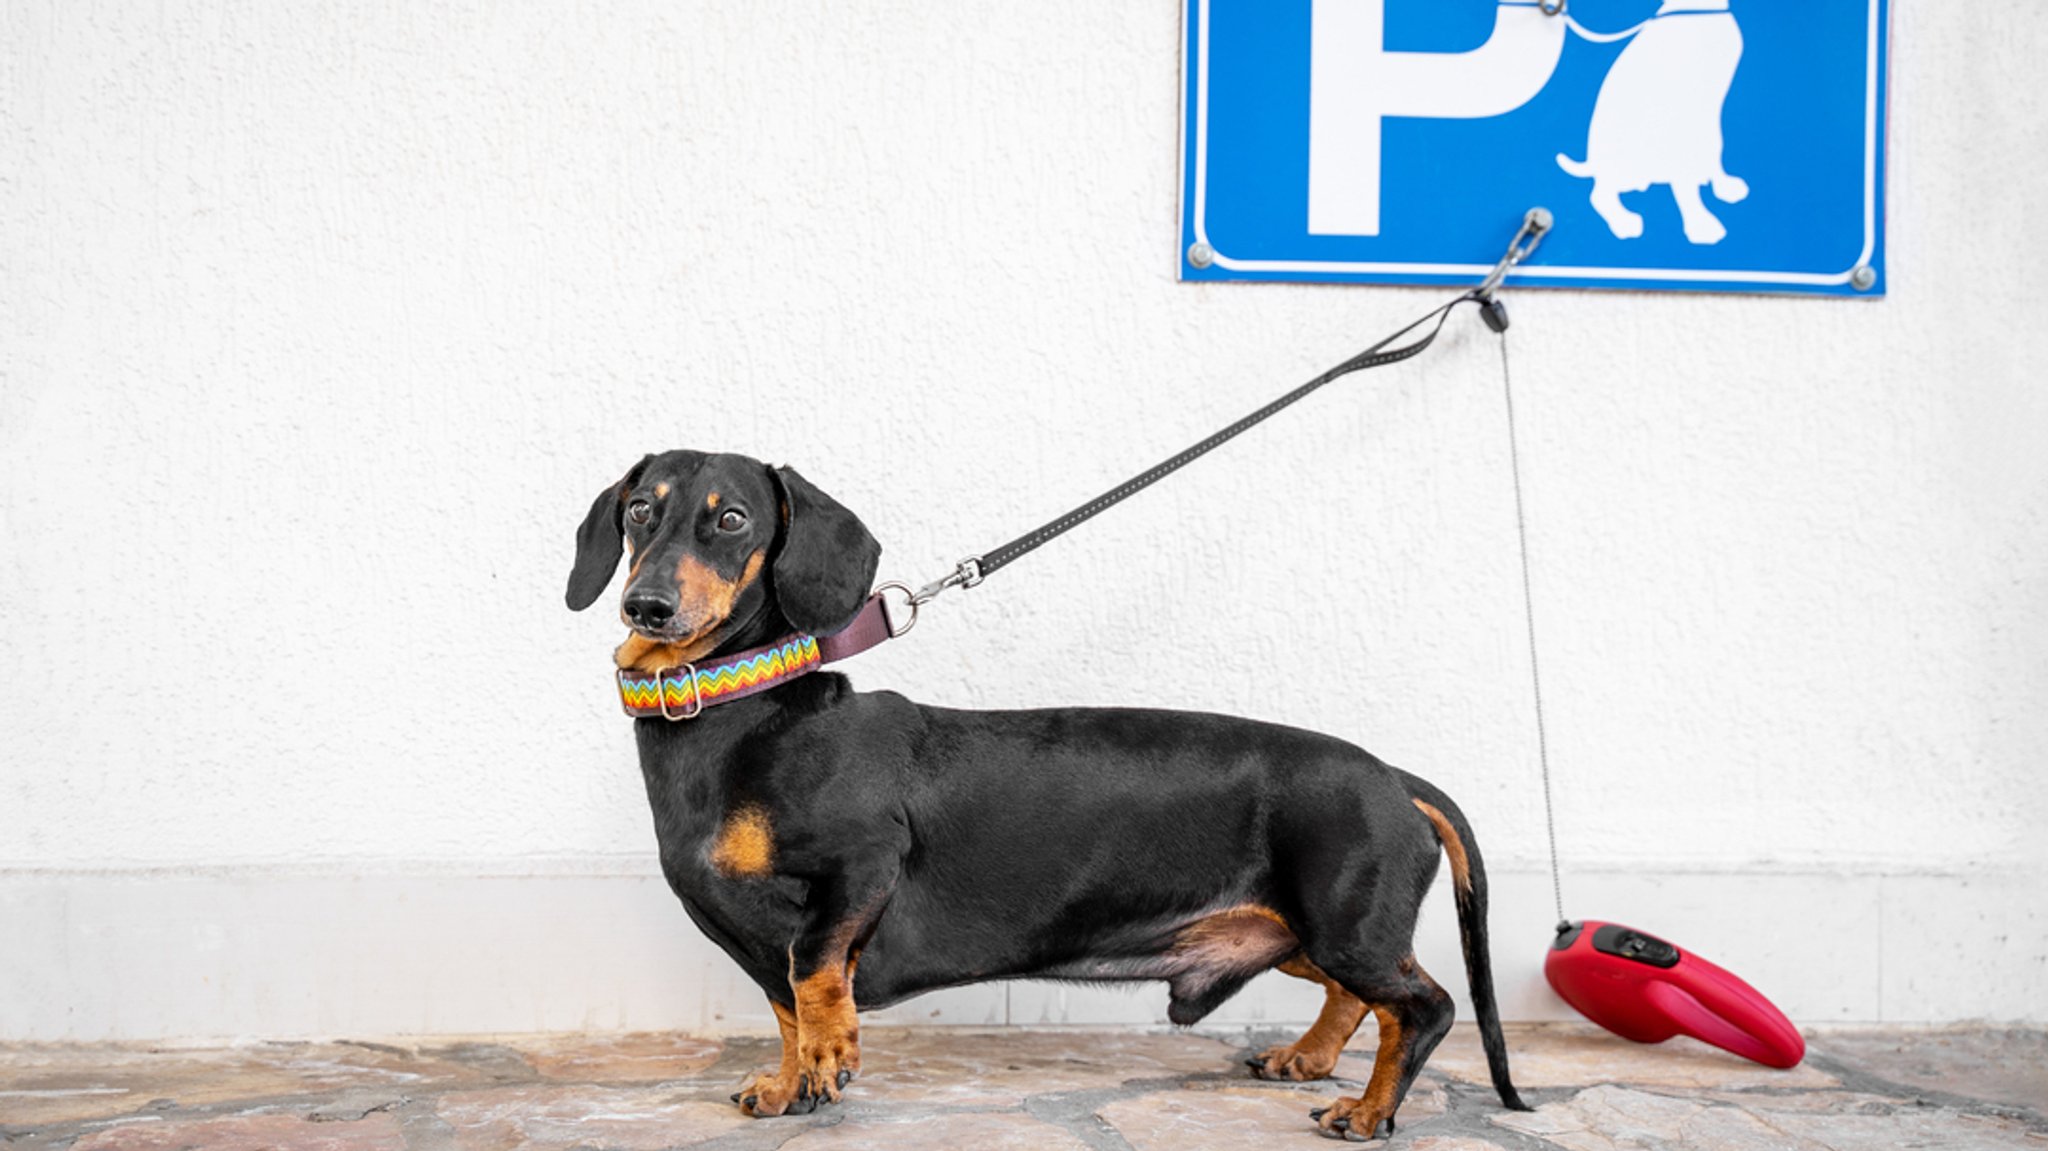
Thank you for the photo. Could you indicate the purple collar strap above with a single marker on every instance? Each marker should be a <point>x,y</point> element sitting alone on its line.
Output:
<point>684,691</point>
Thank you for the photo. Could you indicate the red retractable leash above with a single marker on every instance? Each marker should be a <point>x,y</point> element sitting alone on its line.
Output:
<point>1632,983</point>
<point>1642,988</point>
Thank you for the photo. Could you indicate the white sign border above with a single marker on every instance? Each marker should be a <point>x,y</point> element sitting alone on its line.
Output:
<point>1536,271</point>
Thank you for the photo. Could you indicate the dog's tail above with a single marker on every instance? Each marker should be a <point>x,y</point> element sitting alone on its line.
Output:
<point>1468,884</point>
<point>1579,168</point>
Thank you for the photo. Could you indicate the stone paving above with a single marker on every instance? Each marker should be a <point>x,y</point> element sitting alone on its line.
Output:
<point>1061,1090</point>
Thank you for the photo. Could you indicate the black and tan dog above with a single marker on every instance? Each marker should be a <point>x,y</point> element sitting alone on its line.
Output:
<point>815,832</point>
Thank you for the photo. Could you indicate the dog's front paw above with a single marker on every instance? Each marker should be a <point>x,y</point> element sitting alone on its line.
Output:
<point>826,1065</point>
<point>1291,1062</point>
<point>776,1094</point>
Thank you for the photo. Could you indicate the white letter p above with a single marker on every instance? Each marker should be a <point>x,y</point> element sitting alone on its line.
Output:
<point>1355,83</point>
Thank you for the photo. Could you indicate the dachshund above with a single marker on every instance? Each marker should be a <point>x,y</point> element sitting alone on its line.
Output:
<point>852,849</point>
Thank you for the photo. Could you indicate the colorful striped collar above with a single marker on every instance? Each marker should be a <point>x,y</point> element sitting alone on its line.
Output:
<point>684,691</point>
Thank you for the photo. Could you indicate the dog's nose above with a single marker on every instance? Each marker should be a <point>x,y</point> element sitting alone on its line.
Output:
<point>649,608</point>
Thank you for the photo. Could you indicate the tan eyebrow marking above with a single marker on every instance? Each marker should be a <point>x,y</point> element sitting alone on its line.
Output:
<point>711,501</point>
<point>661,491</point>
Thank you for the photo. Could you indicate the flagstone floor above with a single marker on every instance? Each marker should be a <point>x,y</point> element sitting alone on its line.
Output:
<point>1059,1090</point>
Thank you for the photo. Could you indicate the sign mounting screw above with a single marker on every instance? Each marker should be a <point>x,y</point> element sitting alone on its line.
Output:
<point>1863,278</point>
<point>1200,254</point>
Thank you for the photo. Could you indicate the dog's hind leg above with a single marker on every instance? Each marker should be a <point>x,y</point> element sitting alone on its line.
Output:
<point>1314,1055</point>
<point>1414,1015</point>
<point>1361,936</point>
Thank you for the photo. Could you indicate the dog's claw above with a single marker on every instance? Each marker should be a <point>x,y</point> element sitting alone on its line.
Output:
<point>845,1077</point>
<point>1318,1113</point>
<point>735,1097</point>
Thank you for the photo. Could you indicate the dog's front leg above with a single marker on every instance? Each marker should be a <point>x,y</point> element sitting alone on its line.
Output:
<point>780,1091</point>
<point>842,907</point>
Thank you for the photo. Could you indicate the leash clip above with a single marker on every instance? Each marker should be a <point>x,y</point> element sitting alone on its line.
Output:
<point>965,574</point>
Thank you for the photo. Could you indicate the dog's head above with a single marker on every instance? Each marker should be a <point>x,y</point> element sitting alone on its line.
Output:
<point>727,553</point>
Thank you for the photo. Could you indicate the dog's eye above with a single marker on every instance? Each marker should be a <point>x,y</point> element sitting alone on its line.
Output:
<point>733,520</point>
<point>639,511</point>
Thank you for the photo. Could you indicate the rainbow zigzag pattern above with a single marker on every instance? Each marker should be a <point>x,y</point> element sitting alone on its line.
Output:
<point>713,683</point>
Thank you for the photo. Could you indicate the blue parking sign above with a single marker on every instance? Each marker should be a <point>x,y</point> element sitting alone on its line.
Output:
<point>1731,145</point>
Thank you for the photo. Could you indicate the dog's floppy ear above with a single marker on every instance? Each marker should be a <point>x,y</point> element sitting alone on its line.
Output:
<point>826,561</point>
<point>600,542</point>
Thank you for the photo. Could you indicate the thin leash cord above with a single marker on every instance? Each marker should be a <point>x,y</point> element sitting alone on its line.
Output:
<point>1373,357</point>
<point>1529,619</point>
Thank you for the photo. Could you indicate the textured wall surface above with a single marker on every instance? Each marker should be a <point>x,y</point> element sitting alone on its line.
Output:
<point>320,324</point>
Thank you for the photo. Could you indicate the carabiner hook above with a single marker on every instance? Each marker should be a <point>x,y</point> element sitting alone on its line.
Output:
<point>1535,224</point>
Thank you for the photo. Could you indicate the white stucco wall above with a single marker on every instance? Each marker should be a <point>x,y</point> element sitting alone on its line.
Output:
<point>320,324</point>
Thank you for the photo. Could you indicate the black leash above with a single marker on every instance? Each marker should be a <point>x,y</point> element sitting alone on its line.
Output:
<point>974,569</point>
<point>1374,357</point>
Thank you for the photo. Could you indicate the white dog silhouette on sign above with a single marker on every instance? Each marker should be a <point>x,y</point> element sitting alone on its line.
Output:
<point>1658,117</point>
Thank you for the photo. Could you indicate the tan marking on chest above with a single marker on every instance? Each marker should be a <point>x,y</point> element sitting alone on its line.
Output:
<point>745,847</point>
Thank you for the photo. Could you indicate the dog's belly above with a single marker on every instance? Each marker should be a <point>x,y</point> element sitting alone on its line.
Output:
<point>1100,845</point>
<point>1203,958</point>
<point>1193,955</point>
